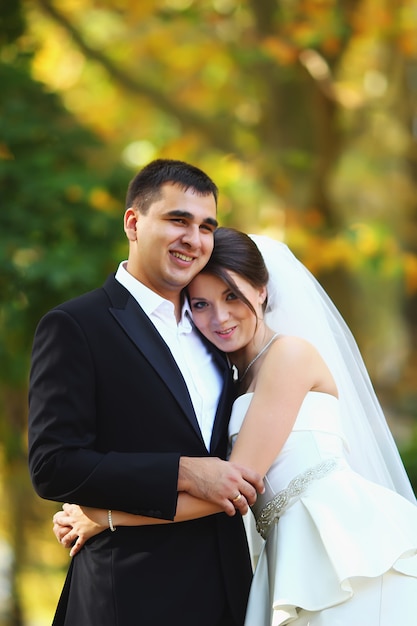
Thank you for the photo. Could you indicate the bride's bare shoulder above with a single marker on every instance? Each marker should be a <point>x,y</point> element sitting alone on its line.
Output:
<point>292,343</point>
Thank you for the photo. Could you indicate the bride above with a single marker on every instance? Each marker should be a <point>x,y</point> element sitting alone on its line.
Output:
<point>338,517</point>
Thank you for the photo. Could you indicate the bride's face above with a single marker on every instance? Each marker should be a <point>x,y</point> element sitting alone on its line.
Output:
<point>220,315</point>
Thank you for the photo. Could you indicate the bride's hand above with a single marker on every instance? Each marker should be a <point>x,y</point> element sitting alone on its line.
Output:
<point>74,525</point>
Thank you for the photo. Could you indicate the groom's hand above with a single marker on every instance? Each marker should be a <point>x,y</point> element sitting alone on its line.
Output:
<point>230,486</point>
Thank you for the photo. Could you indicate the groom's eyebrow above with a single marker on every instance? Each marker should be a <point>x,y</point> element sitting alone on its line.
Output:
<point>210,221</point>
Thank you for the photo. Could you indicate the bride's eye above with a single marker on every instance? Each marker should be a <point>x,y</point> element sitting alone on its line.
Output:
<point>231,296</point>
<point>199,306</point>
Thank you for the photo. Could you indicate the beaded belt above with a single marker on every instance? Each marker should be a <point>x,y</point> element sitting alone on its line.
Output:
<point>273,509</point>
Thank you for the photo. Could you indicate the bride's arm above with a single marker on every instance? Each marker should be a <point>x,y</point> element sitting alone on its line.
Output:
<point>291,368</point>
<point>74,525</point>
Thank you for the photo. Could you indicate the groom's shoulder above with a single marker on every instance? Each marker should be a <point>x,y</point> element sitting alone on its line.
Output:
<point>103,296</point>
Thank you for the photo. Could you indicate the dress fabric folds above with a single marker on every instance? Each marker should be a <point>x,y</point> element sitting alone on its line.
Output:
<point>339,550</point>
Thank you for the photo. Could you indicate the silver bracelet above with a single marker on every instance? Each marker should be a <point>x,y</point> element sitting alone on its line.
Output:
<point>109,517</point>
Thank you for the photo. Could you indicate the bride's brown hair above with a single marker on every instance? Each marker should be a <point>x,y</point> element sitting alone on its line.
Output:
<point>235,251</point>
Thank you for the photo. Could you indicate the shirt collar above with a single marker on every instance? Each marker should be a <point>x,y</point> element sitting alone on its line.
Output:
<point>151,302</point>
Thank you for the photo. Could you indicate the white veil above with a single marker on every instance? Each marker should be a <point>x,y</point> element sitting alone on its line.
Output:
<point>298,305</point>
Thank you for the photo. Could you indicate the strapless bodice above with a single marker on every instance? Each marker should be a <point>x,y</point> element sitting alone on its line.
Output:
<point>316,436</point>
<point>319,411</point>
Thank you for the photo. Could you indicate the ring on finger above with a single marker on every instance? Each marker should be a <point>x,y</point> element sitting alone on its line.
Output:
<point>239,495</point>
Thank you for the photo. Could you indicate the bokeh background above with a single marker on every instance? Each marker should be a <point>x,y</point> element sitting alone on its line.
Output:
<point>305,114</point>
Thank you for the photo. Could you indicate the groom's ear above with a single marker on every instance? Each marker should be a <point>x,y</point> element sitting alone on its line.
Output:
<point>129,223</point>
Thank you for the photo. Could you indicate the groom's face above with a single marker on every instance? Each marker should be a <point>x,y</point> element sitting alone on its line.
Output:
<point>172,241</point>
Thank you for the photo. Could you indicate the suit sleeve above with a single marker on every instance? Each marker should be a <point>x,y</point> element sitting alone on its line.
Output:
<point>65,460</point>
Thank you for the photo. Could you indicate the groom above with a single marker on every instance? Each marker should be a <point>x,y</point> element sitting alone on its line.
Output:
<point>128,406</point>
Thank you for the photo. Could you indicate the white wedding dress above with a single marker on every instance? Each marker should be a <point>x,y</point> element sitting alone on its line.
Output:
<point>340,550</point>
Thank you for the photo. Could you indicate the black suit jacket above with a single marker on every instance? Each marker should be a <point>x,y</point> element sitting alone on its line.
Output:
<point>110,415</point>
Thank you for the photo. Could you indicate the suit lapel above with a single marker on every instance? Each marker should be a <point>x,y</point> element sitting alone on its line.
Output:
<point>221,422</point>
<point>131,317</point>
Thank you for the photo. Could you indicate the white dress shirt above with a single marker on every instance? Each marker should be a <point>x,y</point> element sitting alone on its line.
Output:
<point>195,362</point>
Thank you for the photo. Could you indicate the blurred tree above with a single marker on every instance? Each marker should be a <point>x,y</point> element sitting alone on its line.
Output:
<point>60,225</point>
